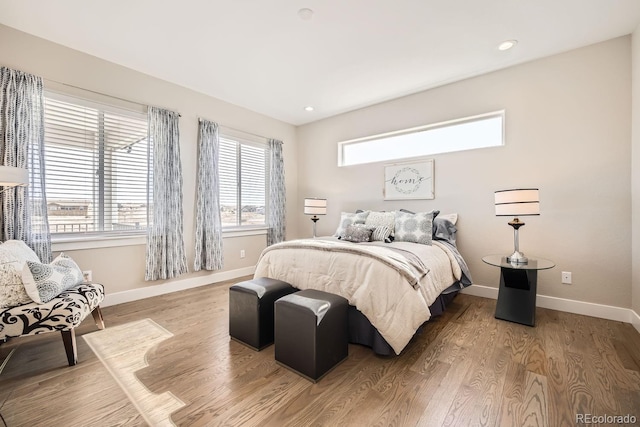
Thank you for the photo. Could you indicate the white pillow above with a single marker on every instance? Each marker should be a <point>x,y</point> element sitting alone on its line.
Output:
<point>12,291</point>
<point>20,251</point>
<point>13,255</point>
<point>381,219</point>
<point>44,282</point>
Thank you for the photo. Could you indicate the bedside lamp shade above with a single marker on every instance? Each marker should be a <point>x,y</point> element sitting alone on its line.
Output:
<point>515,203</point>
<point>313,206</point>
<point>11,176</point>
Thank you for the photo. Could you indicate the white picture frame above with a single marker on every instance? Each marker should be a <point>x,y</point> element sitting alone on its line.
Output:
<point>409,180</point>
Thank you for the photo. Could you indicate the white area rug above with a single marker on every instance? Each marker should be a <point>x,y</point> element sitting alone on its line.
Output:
<point>122,349</point>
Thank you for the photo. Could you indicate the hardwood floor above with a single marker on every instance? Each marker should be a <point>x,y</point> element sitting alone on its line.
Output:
<point>464,368</point>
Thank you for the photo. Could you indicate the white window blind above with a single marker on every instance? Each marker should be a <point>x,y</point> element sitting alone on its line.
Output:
<point>243,182</point>
<point>97,167</point>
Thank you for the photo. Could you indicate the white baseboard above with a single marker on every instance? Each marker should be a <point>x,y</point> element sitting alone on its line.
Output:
<point>570,306</point>
<point>174,286</point>
<point>635,320</point>
<point>481,291</point>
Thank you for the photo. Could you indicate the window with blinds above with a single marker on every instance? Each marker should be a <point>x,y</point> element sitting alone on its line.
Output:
<point>242,170</point>
<point>97,161</point>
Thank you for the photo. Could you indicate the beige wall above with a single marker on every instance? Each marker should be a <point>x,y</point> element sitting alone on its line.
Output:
<point>635,171</point>
<point>122,268</point>
<point>568,132</point>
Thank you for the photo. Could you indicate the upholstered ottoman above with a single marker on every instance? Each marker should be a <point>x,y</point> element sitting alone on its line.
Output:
<point>311,335</point>
<point>251,310</point>
<point>63,313</point>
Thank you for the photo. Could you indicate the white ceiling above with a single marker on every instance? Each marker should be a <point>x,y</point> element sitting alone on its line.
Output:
<point>260,55</point>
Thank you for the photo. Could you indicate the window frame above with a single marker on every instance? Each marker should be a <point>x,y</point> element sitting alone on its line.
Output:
<point>412,131</point>
<point>98,239</point>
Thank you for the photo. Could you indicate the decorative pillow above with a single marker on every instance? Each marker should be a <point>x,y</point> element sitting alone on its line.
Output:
<point>357,233</point>
<point>381,234</point>
<point>444,229</point>
<point>13,254</point>
<point>435,213</point>
<point>20,251</point>
<point>43,282</point>
<point>12,291</point>
<point>347,219</point>
<point>453,217</point>
<point>381,219</point>
<point>414,228</point>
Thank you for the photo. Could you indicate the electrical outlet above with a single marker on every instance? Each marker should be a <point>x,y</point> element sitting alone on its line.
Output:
<point>566,277</point>
<point>87,275</point>
<point>242,253</point>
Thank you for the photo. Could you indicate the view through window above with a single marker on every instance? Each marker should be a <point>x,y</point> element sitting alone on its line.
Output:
<point>243,167</point>
<point>485,130</point>
<point>97,167</point>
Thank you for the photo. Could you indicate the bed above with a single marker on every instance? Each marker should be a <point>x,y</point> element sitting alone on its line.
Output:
<point>393,287</point>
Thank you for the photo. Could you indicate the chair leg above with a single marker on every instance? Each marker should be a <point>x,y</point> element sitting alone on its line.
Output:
<point>97,317</point>
<point>69,340</point>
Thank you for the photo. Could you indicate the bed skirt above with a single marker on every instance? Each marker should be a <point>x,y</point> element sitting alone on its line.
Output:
<point>362,332</point>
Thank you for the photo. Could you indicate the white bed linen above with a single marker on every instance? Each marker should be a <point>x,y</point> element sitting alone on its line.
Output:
<point>380,292</point>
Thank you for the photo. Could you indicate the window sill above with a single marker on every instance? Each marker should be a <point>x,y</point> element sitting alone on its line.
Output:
<point>69,243</point>
<point>243,231</point>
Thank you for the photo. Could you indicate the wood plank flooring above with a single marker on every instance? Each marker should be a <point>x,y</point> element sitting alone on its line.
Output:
<point>464,368</point>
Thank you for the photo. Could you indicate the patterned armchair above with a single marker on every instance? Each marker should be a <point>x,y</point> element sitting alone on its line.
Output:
<point>63,313</point>
<point>21,316</point>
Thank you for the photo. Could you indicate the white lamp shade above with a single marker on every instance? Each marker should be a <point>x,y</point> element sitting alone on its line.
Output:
<point>314,206</point>
<point>11,176</point>
<point>518,202</point>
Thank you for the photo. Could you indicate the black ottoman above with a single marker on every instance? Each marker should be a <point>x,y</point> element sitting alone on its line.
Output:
<point>251,310</point>
<point>311,332</point>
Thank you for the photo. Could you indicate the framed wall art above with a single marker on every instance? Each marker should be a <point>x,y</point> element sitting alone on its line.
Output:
<point>406,181</point>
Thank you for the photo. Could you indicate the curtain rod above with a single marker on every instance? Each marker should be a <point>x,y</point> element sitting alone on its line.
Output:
<point>200,119</point>
<point>102,94</point>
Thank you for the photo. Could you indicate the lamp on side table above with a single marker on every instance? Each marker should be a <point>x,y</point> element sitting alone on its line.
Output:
<point>314,206</point>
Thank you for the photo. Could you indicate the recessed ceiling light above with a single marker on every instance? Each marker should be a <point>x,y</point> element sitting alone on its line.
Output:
<point>305,14</point>
<point>507,44</point>
<point>308,108</point>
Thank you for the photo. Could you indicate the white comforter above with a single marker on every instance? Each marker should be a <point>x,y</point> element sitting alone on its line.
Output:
<point>382,293</point>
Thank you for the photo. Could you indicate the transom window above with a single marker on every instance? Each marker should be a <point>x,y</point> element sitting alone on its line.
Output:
<point>97,161</point>
<point>243,173</point>
<point>486,130</point>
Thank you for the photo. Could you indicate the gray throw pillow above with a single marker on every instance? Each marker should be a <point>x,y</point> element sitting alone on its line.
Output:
<point>443,229</point>
<point>357,233</point>
<point>348,218</point>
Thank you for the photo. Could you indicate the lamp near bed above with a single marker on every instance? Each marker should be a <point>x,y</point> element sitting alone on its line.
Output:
<point>11,176</point>
<point>515,203</point>
<point>315,207</point>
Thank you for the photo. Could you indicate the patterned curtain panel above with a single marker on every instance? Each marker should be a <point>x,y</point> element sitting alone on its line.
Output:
<point>208,222</point>
<point>24,209</point>
<point>165,245</point>
<point>277,194</point>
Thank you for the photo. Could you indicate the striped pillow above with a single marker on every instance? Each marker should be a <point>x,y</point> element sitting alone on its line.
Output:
<point>381,234</point>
